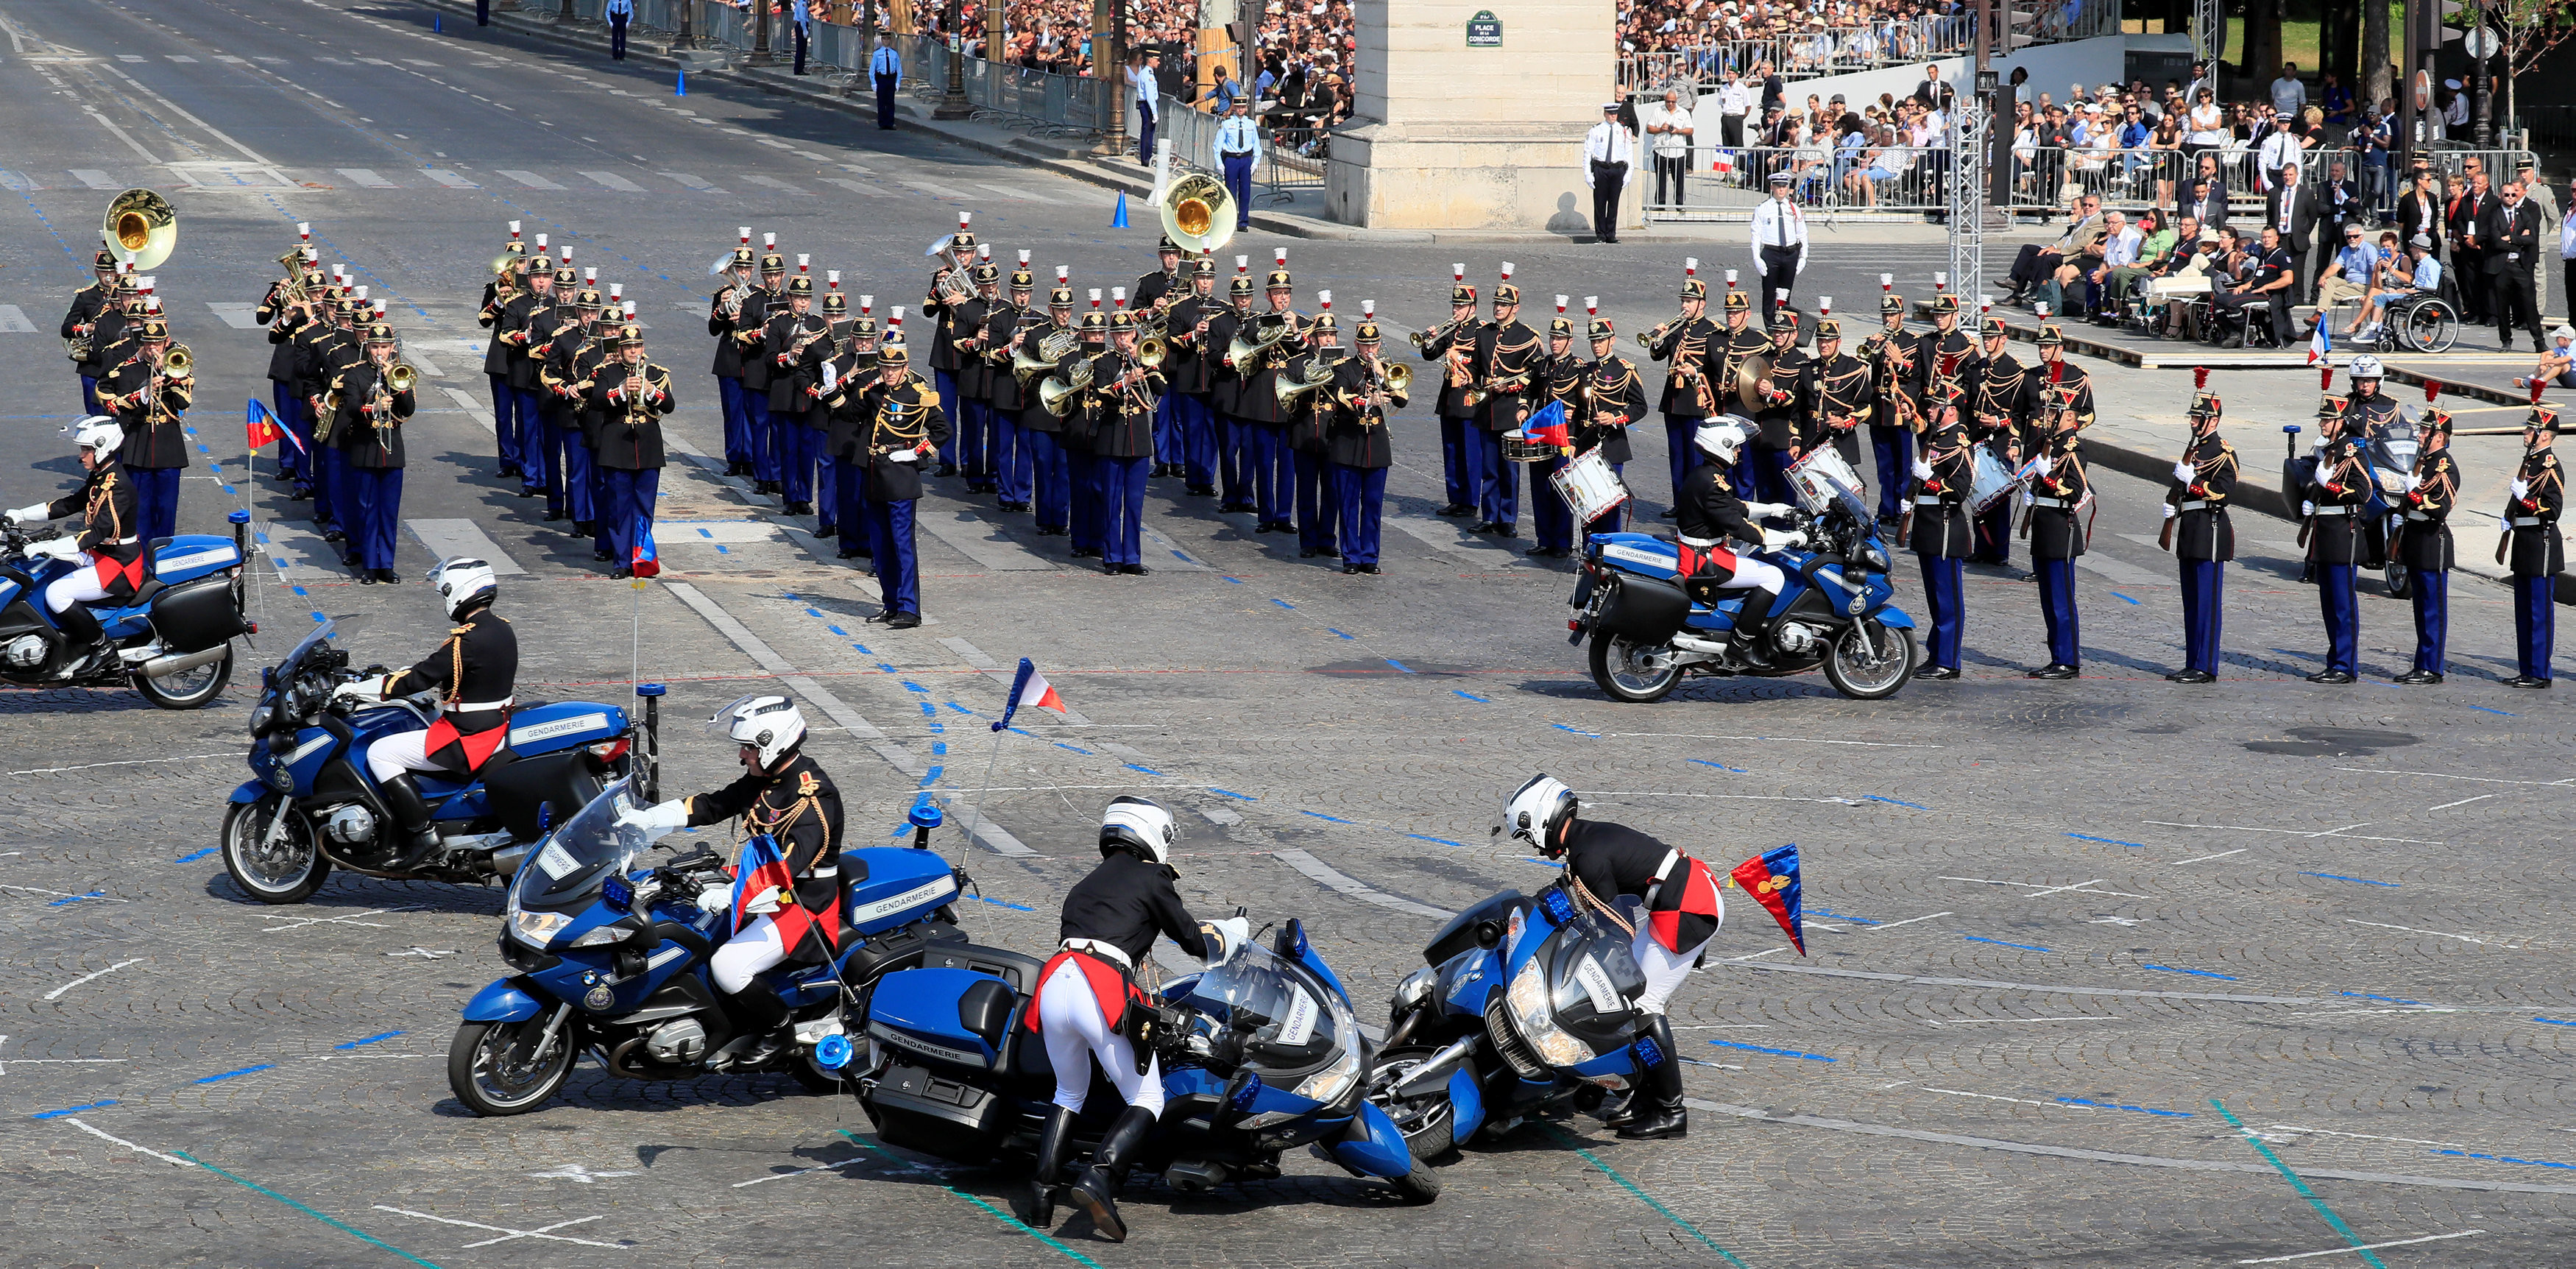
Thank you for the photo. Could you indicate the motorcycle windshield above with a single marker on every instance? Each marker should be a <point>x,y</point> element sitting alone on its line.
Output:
<point>1592,977</point>
<point>581,853</point>
<point>1290,1022</point>
<point>341,628</point>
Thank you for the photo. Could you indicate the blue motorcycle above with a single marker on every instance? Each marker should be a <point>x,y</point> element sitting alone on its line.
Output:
<point>2389,451</point>
<point>172,639</point>
<point>1523,1005</point>
<point>1260,1055</point>
<point>1649,629</point>
<point>312,805</point>
<point>612,957</point>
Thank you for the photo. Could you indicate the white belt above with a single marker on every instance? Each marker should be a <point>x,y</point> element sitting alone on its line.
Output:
<point>1927,500</point>
<point>125,541</point>
<point>479,707</point>
<point>2526,522</point>
<point>1095,947</point>
<point>1701,544</point>
<point>2417,515</point>
<point>2336,510</point>
<point>2192,506</point>
<point>2037,501</point>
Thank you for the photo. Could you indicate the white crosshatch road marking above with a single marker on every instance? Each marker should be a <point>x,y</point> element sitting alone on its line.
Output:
<point>506,1233</point>
<point>578,1172</point>
<point>351,919</point>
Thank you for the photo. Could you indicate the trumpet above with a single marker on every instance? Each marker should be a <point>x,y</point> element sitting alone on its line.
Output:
<point>401,377</point>
<point>178,363</point>
<point>1423,339</point>
<point>1647,339</point>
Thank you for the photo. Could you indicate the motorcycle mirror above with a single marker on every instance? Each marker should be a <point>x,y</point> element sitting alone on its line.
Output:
<point>1291,944</point>
<point>1489,935</point>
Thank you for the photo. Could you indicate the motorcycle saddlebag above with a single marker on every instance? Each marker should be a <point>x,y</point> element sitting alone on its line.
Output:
<point>196,615</point>
<point>914,1090</point>
<point>1642,608</point>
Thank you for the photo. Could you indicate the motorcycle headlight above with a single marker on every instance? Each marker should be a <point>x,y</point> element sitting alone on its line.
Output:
<point>536,929</point>
<point>1875,559</point>
<point>1537,1019</point>
<point>600,937</point>
<point>1330,1084</point>
<point>262,719</point>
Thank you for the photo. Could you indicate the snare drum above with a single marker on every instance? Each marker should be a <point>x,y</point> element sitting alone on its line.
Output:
<point>1590,487</point>
<point>1518,447</point>
<point>1994,481</point>
<point>1823,476</point>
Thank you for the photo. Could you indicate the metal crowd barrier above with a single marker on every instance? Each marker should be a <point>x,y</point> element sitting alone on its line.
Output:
<point>1840,50</point>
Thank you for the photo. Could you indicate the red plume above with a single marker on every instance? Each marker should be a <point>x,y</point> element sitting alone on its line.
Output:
<point>2199,378</point>
<point>2537,387</point>
<point>2325,378</point>
<point>2432,391</point>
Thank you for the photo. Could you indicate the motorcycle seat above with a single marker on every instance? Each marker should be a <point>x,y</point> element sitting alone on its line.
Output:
<point>143,594</point>
<point>1024,1054</point>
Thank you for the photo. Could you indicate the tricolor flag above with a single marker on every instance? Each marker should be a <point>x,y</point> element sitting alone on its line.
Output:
<point>1547,427</point>
<point>648,560</point>
<point>260,426</point>
<point>2320,345</point>
<point>1772,879</point>
<point>1721,161</point>
<point>1029,688</point>
<point>762,881</point>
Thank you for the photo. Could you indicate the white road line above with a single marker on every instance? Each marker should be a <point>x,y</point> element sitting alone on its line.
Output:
<point>529,179</point>
<point>612,180</point>
<point>179,57</point>
<point>128,762</point>
<point>449,179</point>
<point>781,1176</point>
<point>2045,989</point>
<point>858,187</point>
<point>927,187</point>
<point>2462,802</point>
<point>2346,1251</point>
<point>1978,1022</point>
<point>172,1160</point>
<point>2412,930</point>
<point>2344,832</point>
<point>480,413</point>
<point>770,182</point>
<point>2048,890</point>
<point>56,993</point>
<point>1794,740</point>
<point>446,539</point>
<point>698,183</point>
<point>1911,920</point>
<point>95,179</point>
<point>14,321</point>
<point>809,154</point>
<point>2444,775</point>
<point>234,314</point>
<point>1334,881</point>
<point>506,1232</point>
<point>365,177</point>
<point>2206,858</point>
<point>981,540</point>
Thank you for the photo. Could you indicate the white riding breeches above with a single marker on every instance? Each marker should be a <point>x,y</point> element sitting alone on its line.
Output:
<point>1077,1031</point>
<point>1751,574</point>
<point>1663,968</point>
<point>393,755</point>
<point>79,586</point>
<point>755,948</point>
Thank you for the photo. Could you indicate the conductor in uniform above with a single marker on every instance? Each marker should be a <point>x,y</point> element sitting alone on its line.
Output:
<point>2424,541</point>
<point>905,430</point>
<point>2202,537</point>
<point>2533,551</point>
<point>1779,245</point>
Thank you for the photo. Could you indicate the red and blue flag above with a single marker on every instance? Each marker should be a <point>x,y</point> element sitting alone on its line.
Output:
<point>760,879</point>
<point>648,559</point>
<point>260,426</point>
<point>1772,879</point>
<point>1548,427</point>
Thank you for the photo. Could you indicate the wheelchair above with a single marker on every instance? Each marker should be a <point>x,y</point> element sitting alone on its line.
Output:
<point>2421,323</point>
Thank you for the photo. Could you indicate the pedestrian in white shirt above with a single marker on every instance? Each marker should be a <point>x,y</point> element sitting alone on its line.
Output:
<point>620,13</point>
<point>1779,246</point>
<point>1238,148</point>
<point>1608,152</point>
<point>1734,101</point>
<point>1147,89</point>
<point>1670,126</point>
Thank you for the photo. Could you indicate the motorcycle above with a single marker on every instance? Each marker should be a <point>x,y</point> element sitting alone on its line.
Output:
<point>1835,612</point>
<point>2389,451</point>
<point>311,803</point>
<point>1522,1006</point>
<point>611,957</point>
<point>1260,1054</point>
<point>172,640</point>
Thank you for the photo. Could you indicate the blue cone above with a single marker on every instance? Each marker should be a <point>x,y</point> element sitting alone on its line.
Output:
<point>683,89</point>
<point>1118,218</point>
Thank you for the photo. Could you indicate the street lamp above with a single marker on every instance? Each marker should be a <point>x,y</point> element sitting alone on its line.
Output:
<point>953,103</point>
<point>760,54</point>
<point>688,25</point>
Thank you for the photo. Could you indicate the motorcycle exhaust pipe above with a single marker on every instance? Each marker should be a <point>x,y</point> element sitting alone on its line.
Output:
<point>506,861</point>
<point>181,662</point>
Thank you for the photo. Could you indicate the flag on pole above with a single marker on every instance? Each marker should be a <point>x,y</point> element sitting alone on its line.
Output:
<point>260,426</point>
<point>1029,688</point>
<point>648,560</point>
<point>1721,161</point>
<point>1548,426</point>
<point>762,882</point>
<point>1772,879</point>
<point>2320,345</point>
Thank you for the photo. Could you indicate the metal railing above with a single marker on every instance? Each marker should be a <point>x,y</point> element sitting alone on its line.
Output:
<point>1841,50</point>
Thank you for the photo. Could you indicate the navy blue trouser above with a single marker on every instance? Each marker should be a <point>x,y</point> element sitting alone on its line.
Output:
<point>1361,491</point>
<point>2535,624</point>
<point>1498,483</point>
<point>1317,511</point>
<point>1010,459</point>
<point>1050,480</point>
<point>2057,609</point>
<point>2342,615</point>
<point>2203,588</point>
<point>1272,472</point>
<point>737,421</point>
<point>1550,517</point>
<point>1457,462</point>
<point>1118,486</point>
<point>375,512</point>
<point>506,439</point>
<point>2432,595</point>
<point>1943,594</point>
<point>626,507</point>
<point>852,513</point>
<point>156,495</point>
<point>1197,423</point>
<point>1238,182</point>
<point>1081,480</point>
<point>290,460</point>
<point>898,565</point>
<point>763,433</point>
<point>1894,449</point>
<point>1234,461</point>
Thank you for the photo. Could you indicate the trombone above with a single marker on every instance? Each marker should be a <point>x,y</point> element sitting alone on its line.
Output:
<point>401,376</point>
<point>178,362</point>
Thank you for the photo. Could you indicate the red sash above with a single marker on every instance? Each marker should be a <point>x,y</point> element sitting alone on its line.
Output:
<point>1111,987</point>
<point>118,579</point>
<point>464,752</point>
<point>1685,913</point>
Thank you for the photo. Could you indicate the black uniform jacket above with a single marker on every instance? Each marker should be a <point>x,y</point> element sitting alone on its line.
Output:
<point>630,406</point>
<point>370,431</point>
<point>1125,902</point>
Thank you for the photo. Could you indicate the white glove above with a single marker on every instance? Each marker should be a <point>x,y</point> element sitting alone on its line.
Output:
<point>1922,470</point>
<point>769,900</point>
<point>1766,510</point>
<point>64,549</point>
<point>716,899</point>
<point>369,689</point>
<point>2521,489</point>
<point>2307,508</point>
<point>1776,539</point>
<point>1228,935</point>
<point>2412,480</point>
<point>34,514</point>
<point>2169,511</point>
<point>830,376</point>
<point>2318,445</point>
<point>657,819</point>
<point>2184,472</point>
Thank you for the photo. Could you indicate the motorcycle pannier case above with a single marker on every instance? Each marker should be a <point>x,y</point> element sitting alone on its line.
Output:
<point>194,616</point>
<point>1642,608</point>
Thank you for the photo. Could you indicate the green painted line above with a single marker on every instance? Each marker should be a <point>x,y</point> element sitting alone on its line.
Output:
<point>998,1214</point>
<point>345,1228</point>
<point>1567,1139</point>
<point>2333,1220</point>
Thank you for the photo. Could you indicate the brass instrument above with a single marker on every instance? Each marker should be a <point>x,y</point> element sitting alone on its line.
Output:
<point>501,263</point>
<point>1152,349</point>
<point>77,347</point>
<point>1058,395</point>
<point>140,228</point>
<point>951,287</point>
<point>1052,348</point>
<point>729,302</point>
<point>1268,329</point>
<point>1398,379</point>
<point>1647,339</point>
<point>1423,339</point>
<point>1198,213</point>
<point>178,362</point>
<point>1291,392</point>
<point>401,377</point>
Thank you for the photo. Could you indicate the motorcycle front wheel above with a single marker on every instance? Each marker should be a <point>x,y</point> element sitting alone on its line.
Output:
<point>2394,576</point>
<point>188,689</point>
<point>494,1069</point>
<point>1619,668</point>
<point>287,870</point>
<point>1870,661</point>
<point>1428,1122</point>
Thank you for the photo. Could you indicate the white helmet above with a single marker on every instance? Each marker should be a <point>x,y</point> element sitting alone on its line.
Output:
<point>1140,827</point>
<point>1533,811</point>
<point>1723,437</point>
<point>462,582</point>
<point>98,434</point>
<point>770,724</point>
<point>2366,366</point>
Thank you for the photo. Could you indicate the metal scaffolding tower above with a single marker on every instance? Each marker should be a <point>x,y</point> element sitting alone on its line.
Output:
<point>1968,130</point>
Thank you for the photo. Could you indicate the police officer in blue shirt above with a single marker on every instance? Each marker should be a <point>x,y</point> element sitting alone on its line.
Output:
<point>1238,149</point>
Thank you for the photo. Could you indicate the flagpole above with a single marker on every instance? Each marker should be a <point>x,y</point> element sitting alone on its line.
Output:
<point>1010,705</point>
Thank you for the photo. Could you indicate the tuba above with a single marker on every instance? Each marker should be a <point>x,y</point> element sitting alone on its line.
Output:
<point>1198,213</point>
<point>952,288</point>
<point>1052,348</point>
<point>1059,395</point>
<point>1291,392</point>
<point>1267,330</point>
<point>140,228</point>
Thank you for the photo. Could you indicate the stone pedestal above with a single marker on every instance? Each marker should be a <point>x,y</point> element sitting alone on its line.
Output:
<point>1454,135</point>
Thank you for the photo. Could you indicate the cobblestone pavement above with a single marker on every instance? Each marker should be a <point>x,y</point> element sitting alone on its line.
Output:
<point>2103,972</point>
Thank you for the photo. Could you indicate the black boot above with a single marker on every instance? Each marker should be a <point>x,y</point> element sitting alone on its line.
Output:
<point>1036,1207</point>
<point>416,842</point>
<point>1098,1189</point>
<point>1752,628</point>
<point>1660,1113</point>
<point>755,1012</point>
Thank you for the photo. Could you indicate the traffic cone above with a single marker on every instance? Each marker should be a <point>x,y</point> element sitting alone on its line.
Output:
<point>1118,218</point>
<point>683,89</point>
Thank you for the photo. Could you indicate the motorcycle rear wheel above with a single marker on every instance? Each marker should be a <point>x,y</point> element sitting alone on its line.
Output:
<point>1869,661</point>
<point>1619,674</point>
<point>188,689</point>
<point>1420,1186</point>
<point>1428,1123</point>
<point>290,872</point>
<point>486,1071</point>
